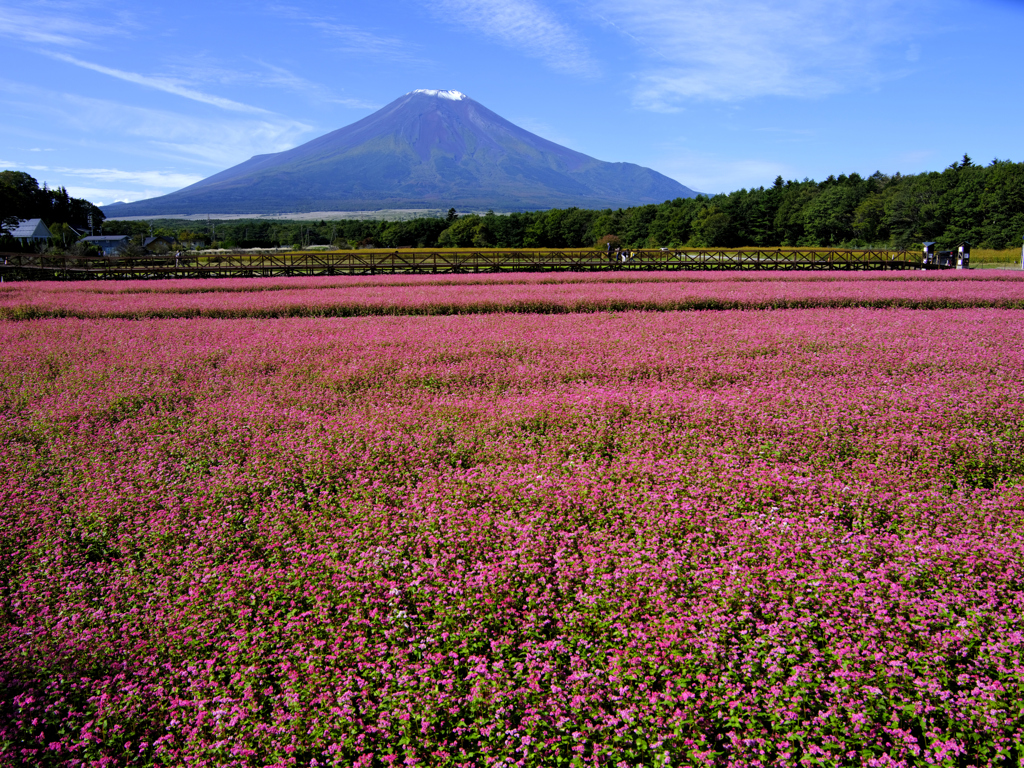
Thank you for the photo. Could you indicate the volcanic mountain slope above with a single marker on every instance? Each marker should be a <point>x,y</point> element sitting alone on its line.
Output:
<point>427,149</point>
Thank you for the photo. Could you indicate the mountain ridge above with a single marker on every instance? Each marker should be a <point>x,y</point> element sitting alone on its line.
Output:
<point>426,149</point>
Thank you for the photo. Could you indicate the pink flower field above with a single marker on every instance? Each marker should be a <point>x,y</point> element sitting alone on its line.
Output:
<point>487,293</point>
<point>783,537</point>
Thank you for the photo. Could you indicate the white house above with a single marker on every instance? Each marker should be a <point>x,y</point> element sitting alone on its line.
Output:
<point>30,231</point>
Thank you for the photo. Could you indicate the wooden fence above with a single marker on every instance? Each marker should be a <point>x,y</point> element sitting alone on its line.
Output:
<point>14,266</point>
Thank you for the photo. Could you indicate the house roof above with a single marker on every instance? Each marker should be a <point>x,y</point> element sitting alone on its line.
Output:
<point>104,238</point>
<point>30,228</point>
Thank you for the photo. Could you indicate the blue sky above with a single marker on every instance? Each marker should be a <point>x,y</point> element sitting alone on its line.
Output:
<point>123,101</point>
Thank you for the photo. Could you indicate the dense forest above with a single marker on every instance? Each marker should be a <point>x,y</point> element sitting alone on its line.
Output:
<point>981,204</point>
<point>21,197</point>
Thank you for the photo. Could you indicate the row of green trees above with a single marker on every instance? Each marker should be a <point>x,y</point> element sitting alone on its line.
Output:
<point>21,197</point>
<point>981,204</point>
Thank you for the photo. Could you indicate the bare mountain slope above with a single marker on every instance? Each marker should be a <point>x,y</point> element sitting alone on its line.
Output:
<point>427,149</point>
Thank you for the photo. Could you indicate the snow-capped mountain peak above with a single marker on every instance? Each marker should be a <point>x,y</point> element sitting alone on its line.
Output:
<point>450,95</point>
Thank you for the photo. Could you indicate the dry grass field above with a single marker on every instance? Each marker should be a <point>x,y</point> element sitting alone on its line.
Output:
<point>989,257</point>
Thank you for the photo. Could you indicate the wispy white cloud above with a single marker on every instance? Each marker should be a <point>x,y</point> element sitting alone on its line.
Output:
<point>355,103</point>
<point>158,179</point>
<point>262,74</point>
<point>140,184</point>
<point>65,25</point>
<point>103,196</point>
<point>47,25</point>
<point>274,76</point>
<point>215,141</point>
<point>165,84</point>
<point>220,142</point>
<point>162,138</point>
<point>730,50</point>
<point>106,195</point>
<point>350,39</point>
<point>523,25</point>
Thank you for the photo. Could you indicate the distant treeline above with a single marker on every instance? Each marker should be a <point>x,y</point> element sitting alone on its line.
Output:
<point>981,204</point>
<point>21,197</point>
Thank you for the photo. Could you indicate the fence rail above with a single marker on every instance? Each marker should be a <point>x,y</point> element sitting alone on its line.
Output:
<point>15,266</point>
